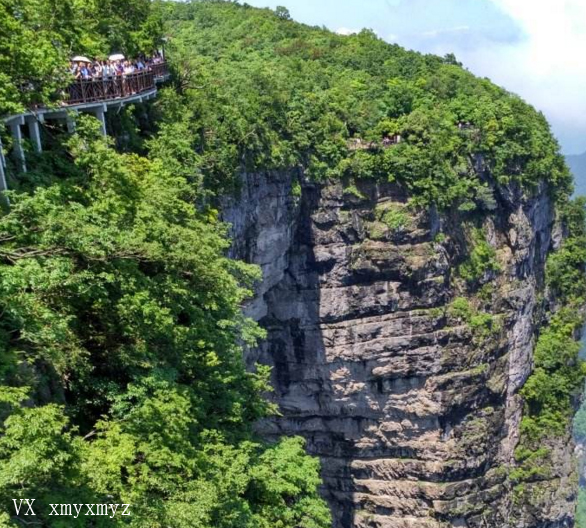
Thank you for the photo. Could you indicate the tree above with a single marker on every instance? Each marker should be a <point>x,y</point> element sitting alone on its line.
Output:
<point>120,327</point>
<point>450,58</point>
<point>283,13</point>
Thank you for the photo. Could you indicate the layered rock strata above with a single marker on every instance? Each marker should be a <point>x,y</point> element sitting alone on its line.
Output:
<point>413,411</point>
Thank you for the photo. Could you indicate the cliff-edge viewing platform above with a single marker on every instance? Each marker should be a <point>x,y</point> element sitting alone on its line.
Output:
<point>93,96</point>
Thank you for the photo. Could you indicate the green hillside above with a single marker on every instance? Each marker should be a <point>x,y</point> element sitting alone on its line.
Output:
<point>273,93</point>
<point>121,331</point>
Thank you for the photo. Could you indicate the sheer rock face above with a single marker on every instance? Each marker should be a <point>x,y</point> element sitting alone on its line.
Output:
<point>414,415</point>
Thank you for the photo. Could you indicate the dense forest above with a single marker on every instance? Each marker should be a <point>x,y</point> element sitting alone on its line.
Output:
<point>122,377</point>
<point>121,331</point>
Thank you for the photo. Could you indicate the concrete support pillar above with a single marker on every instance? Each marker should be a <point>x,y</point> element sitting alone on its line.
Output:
<point>101,117</point>
<point>3,184</point>
<point>17,140</point>
<point>2,157</point>
<point>34,132</point>
<point>70,119</point>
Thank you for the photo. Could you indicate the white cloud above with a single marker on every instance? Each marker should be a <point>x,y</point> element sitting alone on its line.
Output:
<point>548,67</point>
<point>346,31</point>
<point>556,33</point>
<point>437,32</point>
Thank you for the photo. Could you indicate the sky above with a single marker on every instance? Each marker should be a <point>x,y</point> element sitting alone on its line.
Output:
<point>535,48</point>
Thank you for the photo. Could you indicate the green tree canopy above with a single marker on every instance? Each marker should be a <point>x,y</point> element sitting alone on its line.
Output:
<point>268,93</point>
<point>122,379</point>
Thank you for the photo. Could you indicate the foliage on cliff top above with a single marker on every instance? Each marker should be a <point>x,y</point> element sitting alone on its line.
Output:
<point>122,380</point>
<point>38,37</point>
<point>267,92</point>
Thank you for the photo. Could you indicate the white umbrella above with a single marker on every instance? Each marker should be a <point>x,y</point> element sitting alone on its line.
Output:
<point>116,56</point>
<point>80,58</point>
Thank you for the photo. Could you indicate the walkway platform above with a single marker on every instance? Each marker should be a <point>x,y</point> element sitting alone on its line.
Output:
<point>94,96</point>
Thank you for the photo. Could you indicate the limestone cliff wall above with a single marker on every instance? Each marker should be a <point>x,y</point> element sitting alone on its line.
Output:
<point>414,415</point>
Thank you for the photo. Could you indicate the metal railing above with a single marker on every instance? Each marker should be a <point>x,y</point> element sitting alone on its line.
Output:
<point>116,86</point>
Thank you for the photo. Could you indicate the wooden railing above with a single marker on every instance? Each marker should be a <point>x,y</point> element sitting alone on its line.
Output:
<point>114,87</point>
<point>160,70</point>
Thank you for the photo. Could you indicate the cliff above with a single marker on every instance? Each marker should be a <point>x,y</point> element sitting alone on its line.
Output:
<point>402,380</point>
<point>423,265</point>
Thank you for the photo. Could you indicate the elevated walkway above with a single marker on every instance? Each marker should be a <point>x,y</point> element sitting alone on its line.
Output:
<point>94,96</point>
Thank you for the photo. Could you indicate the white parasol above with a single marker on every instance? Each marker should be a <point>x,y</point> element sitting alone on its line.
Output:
<point>80,58</point>
<point>116,56</point>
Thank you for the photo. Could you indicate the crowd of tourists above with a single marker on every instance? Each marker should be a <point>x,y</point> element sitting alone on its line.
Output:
<point>84,69</point>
